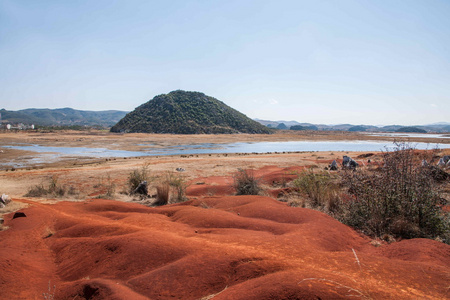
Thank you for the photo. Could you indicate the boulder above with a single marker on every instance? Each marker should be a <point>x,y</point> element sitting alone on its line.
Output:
<point>441,162</point>
<point>349,163</point>
<point>334,165</point>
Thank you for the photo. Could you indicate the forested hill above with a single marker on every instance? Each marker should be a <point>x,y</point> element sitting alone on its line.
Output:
<point>62,117</point>
<point>183,112</point>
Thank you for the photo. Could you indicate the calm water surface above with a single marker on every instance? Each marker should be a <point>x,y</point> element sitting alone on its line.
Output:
<point>259,147</point>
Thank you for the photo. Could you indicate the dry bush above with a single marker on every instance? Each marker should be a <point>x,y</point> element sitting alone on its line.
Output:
<point>137,176</point>
<point>400,199</point>
<point>37,191</point>
<point>321,190</point>
<point>109,186</point>
<point>54,189</point>
<point>178,186</point>
<point>245,183</point>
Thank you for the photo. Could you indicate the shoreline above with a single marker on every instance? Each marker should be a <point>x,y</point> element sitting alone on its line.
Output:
<point>140,142</point>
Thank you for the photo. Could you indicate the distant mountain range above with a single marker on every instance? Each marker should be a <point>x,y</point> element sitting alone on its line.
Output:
<point>62,117</point>
<point>440,127</point>
<point>108,118</point>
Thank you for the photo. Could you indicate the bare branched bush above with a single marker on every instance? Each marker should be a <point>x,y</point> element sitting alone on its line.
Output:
<point>401,199</point>
<point>178,186</point>
<point>108,186</point>
<point>245,183</point>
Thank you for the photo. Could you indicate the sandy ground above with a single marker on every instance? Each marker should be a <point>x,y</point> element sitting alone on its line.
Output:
<point>214,246</point>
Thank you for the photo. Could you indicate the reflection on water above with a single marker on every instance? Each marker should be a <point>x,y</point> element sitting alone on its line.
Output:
<point>51,154</point>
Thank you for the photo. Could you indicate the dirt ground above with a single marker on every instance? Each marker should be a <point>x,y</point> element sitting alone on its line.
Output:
<point>215,245</point>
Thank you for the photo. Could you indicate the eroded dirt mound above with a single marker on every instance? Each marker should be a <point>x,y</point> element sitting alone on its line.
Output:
<point>229,247</point>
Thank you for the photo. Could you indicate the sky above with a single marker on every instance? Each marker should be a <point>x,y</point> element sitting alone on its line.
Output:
<point>376,62</point>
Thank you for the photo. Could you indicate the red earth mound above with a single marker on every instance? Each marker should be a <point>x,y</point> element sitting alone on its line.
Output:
<point>233,247</point>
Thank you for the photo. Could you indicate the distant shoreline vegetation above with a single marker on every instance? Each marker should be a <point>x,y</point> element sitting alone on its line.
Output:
<point>411,129</point>
<point>72,119</point>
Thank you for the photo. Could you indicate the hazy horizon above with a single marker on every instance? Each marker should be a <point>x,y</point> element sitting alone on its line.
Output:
<point>321,62</point>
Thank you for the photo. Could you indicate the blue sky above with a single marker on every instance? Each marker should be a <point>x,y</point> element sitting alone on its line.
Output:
<point>360,62</point>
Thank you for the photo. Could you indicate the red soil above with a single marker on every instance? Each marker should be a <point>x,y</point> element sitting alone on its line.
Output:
<point>271,176</point>
<point>238,247</point>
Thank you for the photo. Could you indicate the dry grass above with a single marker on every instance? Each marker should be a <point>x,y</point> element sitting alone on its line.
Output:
<point>162,194</point>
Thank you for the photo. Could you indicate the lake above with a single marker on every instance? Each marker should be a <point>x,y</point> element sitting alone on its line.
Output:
<point>46,154</point>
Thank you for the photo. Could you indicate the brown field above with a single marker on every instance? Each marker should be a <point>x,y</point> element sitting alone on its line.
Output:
<point>214,246</point>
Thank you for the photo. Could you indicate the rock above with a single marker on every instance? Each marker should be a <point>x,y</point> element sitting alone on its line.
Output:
<point>349,163</point>
<point>334,166</point>
<point>19,214</point>
<point>2,221</point>
<point>141,189</point>
<point>180,169</point>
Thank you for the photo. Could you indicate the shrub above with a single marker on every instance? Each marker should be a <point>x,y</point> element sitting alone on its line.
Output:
<point>36,191</point>
<point>322,192</point>
<point>54,189</point>
<point>245,183</point>
<point>137,176</point>
<point>401,199</point>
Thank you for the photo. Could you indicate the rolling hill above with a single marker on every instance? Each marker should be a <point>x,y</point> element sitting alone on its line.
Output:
<point>62,117</point>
